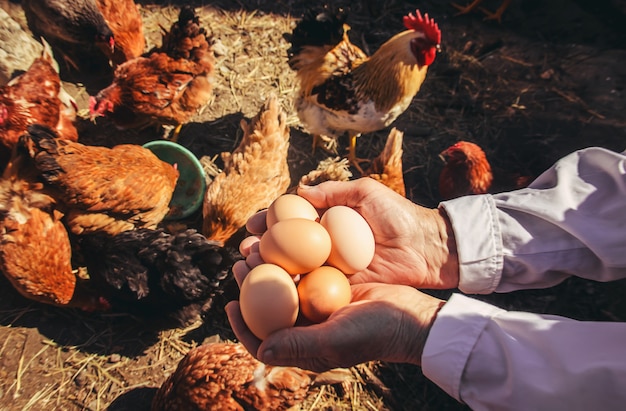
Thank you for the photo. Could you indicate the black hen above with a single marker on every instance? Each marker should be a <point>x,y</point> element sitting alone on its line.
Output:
<point>148,269</point>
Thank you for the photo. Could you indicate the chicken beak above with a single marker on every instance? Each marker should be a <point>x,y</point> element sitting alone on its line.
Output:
<point>443,156</point>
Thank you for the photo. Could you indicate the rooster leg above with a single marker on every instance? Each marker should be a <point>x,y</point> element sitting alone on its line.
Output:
<point>497,15</point>
<point>352,158</point>
<point>466,9</point>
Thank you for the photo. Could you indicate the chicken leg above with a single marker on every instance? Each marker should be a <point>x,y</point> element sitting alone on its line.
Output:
<point>352,158</point>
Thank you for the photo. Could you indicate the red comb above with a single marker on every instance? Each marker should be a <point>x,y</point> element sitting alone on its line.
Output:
<point>424,24</point>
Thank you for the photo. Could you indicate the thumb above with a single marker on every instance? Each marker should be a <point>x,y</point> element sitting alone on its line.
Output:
<point>332,193</point>
<point>293,347</point>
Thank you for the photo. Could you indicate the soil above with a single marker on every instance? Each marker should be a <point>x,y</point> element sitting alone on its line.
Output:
<point>548,80</point>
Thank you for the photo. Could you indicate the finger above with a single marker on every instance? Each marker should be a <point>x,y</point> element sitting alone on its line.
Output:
<point>241,330</point>
<point>246,245</point>
<point>256,224</point>
<point>254,259</point>
<point>295,346</point>
<point>240,271</point>
<point>332,193</point>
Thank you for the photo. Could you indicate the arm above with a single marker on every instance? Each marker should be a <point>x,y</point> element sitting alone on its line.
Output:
<point>569,221</point>
<point>493,359</point>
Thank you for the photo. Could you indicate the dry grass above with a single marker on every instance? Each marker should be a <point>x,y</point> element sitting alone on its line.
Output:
<point>519,94</point>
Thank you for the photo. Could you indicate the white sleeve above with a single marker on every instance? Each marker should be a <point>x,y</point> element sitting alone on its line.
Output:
<point>570,221</point>
<point>492,359</point>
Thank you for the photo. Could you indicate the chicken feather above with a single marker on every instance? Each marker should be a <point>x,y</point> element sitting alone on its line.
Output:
<point>168,85</point>
<point>254,174</point>
<point>466,171</point>
<point>145,269</point>
<point>387,166</point>
<point>35,249</point>
<point>111,189</point>
<point>36,97</point>
<point>224,376</point>
<point>76,30</point>
<point>341,90</point>
<point>124,20</point>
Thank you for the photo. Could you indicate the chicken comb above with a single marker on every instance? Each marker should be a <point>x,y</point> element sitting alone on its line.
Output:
<point>424,24</point>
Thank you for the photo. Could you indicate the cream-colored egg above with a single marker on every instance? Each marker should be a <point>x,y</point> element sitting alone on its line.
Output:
<point>351,237</point>
<point>298,245</point>
<point>268,299</point>
<point>322,292</point>
<point>290,206</point>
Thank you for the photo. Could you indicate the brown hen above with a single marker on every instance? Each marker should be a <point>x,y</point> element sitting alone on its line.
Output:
<point>387,166</point>
<point>254,174</point>
<point>35,250</point>
<point>102,189</point>
<point>168,85</point>
<point>125,22</point>
<point>35,97</point>
<point>224,376</point>
<point>466,171</point>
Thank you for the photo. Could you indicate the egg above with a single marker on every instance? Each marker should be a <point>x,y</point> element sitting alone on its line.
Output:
<point>351,237</point>
<point>322,292</point>
<point>268,299</point>
<point>290,206</point>
<point>298,245</point>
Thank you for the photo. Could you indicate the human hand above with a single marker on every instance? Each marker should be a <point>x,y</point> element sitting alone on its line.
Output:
<point>383,322</point>
<point>414,245</point>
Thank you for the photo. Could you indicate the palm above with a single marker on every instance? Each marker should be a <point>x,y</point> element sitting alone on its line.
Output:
<point>408,241</point>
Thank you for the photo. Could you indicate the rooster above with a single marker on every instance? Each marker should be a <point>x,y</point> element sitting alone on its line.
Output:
<point>254,175</point>
<point>76,30</point>
<point>125,22</point>
<point>35,97</point>
<point>167,86</point>
<point>35,249</point>
<point>100,188</point>
<point>224,376</point>
<point>466,171</point>
<point>342,90</point>
<point>153,270</point>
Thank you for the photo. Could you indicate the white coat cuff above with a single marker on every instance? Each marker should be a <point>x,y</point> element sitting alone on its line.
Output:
<point>451,340</point>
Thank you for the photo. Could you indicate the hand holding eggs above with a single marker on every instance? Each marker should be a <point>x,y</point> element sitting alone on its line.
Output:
<point>321,250</point>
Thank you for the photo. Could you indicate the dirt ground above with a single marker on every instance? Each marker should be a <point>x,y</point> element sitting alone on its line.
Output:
<point>547,80</point>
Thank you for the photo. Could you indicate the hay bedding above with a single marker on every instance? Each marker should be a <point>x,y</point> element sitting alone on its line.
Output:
<point>547,81</point>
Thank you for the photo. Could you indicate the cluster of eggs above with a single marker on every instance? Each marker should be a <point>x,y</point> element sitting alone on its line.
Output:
<point>320,251</point>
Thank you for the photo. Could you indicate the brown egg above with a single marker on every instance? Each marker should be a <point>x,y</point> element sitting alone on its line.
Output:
<point>322,292</point>
<point>352,239</point>
<point>298,245</point>
<point>268,299</point>
<point>290,206</point>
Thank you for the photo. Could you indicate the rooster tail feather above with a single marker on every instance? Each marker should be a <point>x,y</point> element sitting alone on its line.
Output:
<point>317,29</point>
